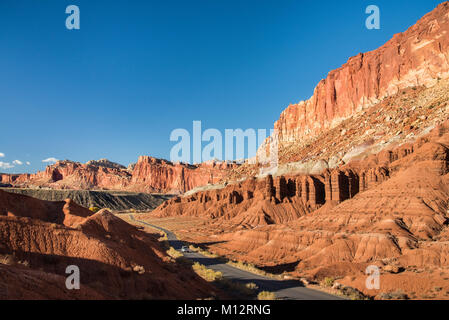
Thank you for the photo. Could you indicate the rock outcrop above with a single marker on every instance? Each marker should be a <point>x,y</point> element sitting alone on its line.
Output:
<point>417,57</point>
<point>149,175</point>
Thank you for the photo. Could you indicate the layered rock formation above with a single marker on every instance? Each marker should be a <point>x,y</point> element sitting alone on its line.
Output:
<point>390,209</point>
<point>378,100</point>
<point>148,175</point>
<point>39,239</point>
<point>363,177</point>
<point>310,192</point>
<point>151,174</point>
<point>417,57</point>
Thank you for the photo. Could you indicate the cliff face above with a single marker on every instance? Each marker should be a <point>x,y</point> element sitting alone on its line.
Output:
<point>417,57</point>
<point>147,175</point>
<point>151,174</point>
<point>74,175</point>
<point>274,200</point>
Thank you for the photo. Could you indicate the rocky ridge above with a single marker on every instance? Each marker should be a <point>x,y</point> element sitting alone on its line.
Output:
<point>149,175</point>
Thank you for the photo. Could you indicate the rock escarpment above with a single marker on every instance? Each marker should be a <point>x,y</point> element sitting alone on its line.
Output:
<point>417,57</point>
<point>156,174</point>
<point>149,175</point>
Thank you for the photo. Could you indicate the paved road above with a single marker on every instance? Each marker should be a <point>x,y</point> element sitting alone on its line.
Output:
<point>284,289</point>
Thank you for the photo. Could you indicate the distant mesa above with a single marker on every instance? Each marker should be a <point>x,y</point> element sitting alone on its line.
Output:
<point>105,163</point>
<point>149,175</point>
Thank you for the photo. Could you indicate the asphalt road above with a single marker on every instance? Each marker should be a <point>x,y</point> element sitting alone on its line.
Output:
<point>284,289</point>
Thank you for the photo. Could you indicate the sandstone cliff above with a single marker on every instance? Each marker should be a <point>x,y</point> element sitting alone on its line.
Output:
<point>148,175</point>
<point>417,57</point>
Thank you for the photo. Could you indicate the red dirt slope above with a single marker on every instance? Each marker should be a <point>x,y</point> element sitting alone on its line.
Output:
<point>38,240</point>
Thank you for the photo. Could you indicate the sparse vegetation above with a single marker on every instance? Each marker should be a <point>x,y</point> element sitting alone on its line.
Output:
<point>7,259</point>
<point>11,260</point>
<point>172,252</point>
<point>94,209</point>
<point>248,290</point>
<point>206,273</point>
<point>328,282</point>
<point>203,252</point>
<point>252,268</point>
<point>163,237</point>
<point>252,286</point>
<point>237,264</point>
<point>139,269</point>
<point>266,295</point>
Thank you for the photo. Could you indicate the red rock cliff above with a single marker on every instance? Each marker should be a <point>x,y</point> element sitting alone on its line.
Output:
<point>417,57</point>
<point>147,175</point>
<point>151,174</point>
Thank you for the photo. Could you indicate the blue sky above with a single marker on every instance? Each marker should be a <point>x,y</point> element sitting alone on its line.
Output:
<point>136,70</point>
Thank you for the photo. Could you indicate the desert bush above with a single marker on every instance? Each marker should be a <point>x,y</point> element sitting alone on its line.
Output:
<point>94,209</point>
<point>266,295</point>
<point>328,282</point>
<point>139,269</point>
<point>247,290</point>
<point>172,252</point>
<point>207,274</point>
<point>8,259</point>
<point>252,268</point>
<point>203,252</point>
<point>252,286</point>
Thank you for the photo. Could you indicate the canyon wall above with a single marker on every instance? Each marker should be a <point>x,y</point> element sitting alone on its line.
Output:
<point>417,57</point>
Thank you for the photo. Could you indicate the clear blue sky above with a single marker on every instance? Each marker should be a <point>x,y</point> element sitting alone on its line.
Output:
<point>136,70</point>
